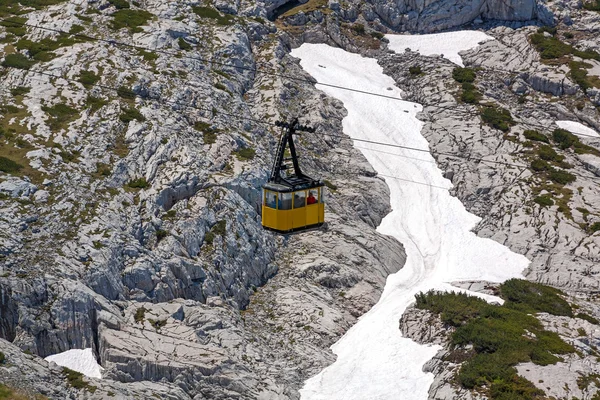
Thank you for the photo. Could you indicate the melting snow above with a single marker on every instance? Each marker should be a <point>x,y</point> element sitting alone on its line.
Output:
<point>449,43</point>
<point>78,360</point>
<point>577,128</point>
<point>373,360</point>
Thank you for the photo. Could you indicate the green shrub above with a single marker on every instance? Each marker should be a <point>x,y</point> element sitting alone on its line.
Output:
<point>358,29</point>
<point>139,183</point>
<point>9,166</point>
<point>2,358</point>
<point>550,29</point>
<point>75,379</point>
<point>540,165</point>
<point>500,337</point>
<point>220,228</point>
<point>120,4</point>
<point>88,78</point>
<point>17,60</point>
<point>14,25</point>
<point>535,135</point>
<point>464,74</point>
<point>561,177</point>
<point>544,200</point>
<point>415,70</point>
<point>245,154</point>
<point>60,115</point>
<point>161,234</point>
<point>125,93</point>
<point>95,103</point>
<point>534,297</point>
<point>587,318</point>
<point>550,47</point>
<point>130,19</point>
<point>547,153</point>
<point>470,96</point>
<point>579,75</point>
<point>130,114</point>
<point>183,45</point>
<point>139,315</point>
<point>497,117</point>
<point>20,90</point>
<point>148,55</point>
<point>207,12</point>
<point>564,138</point>
<point>592,5</point>
<point>76,29</point>
<point>595,227</point>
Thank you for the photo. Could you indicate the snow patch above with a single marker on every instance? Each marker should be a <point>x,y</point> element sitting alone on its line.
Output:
<point>373,360</point>
<point>577,128</point>
<point>449,43</point>
<point>78,360</point>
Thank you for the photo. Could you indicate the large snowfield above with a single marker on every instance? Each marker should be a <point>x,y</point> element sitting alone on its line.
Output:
<point>82,361</point>
<point>373,360</point>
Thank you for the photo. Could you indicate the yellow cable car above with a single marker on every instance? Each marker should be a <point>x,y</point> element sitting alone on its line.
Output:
<point>291,201</point>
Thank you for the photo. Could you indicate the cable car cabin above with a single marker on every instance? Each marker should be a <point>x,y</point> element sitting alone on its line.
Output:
<point>291,201</point>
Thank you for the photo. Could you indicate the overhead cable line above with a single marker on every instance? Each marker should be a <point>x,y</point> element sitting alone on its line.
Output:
<point>269,124</point>
<point>205,60</point>
<point>250,69</point>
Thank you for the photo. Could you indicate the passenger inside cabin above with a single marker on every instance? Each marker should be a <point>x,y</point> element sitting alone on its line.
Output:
<point>299,198</point>
<point>271,200</point>
<point>311,198</point>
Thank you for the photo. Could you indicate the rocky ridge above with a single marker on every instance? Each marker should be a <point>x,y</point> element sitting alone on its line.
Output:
<point>132,226</point>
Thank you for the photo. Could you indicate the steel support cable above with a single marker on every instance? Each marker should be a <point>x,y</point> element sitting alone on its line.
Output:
<point>255,70</point>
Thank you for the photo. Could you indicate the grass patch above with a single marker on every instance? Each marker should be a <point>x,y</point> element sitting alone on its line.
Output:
<point>561,177</point>
<point>592,5</point>
<point>245,154</point>
<point>60,115</point>
<point>17,60</point>
<point>547,153</point>
<point>308,7</point>
<point>157,324</point>
<point>500,336</point>
<point>120,4</point>
<point>588,318</point>
<point>20,91</point>
<point>9,166</point>
<point>130,114</point>
<point>139,183</point>
<point>470,94</point>
<point>75,379</point>
<point>535,136</point>
<point>88,78</point>
<point>148,55</point>
<point>497,117</point>
<point>209,134</point>
<point>95,103</point>
<point>125,93</point>
<point>595,227</point>
<point>211,13</point>
<point>415,70</point>
<point>130,19</point>
<point>463,75</point>
<point>14,25</point>
<point>9,393</point>
<point>544,200</point>
<point>183,45</point>
<point>218,229</point>
<point>138,317</point>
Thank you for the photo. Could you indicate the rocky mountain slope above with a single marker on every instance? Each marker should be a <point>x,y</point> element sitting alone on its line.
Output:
<point>135,137</point>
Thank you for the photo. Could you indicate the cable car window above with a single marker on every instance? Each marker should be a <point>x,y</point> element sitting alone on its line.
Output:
<point>271,199</point>
<point>322,199</point>
<point>285,201</point>
<point>299,199</point>
<point>313,197</point>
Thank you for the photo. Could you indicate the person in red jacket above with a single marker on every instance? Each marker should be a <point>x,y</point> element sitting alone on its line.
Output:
<point>311,198</point>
